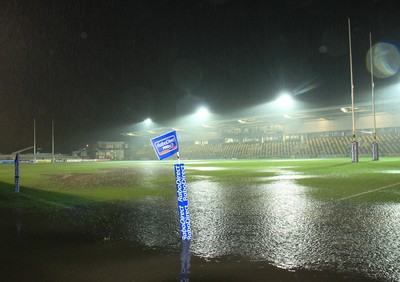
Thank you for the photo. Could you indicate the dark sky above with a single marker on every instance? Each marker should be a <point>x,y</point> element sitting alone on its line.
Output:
<point>97,66</point>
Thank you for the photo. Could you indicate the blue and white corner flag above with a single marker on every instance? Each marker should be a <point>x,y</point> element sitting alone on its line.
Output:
<point>165,145</point>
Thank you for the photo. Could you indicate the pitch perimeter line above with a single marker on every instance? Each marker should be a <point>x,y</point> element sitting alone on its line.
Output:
<point>367,192</point>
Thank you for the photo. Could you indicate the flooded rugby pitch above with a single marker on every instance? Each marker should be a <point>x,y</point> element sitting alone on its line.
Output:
<point>263,231</point>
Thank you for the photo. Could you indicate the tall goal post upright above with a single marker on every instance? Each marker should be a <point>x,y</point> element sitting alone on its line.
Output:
<point>354,143</point>
<point>34,140</point>
<point>52,141</point>
<point>375,148</point>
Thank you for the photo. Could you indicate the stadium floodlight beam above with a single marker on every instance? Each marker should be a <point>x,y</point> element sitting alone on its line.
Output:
<point>202,113</point>
<point>147,121</point>
<point>285,100</point>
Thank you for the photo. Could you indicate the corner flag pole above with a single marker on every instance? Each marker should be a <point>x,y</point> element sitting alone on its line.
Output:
<point>16,181</point>
<point>165,146</point>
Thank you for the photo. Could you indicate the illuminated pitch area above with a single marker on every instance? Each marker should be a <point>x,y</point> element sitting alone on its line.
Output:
<point>313,217</point>
<point>81,183</point>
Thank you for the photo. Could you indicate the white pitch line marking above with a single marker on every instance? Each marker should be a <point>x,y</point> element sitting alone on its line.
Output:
<point>367,192</point>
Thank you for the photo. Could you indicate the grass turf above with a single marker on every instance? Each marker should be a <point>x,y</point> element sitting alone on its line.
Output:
<point>66,185</point>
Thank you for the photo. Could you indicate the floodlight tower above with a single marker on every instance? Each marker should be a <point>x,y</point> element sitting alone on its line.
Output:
<point>375,150</point>
<point>354,143</point>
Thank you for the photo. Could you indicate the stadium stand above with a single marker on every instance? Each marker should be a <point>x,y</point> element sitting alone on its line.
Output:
<point>302,133</point>
<point>314,147</point>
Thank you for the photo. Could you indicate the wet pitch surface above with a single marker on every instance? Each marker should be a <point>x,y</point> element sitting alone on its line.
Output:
<point>269,231</point>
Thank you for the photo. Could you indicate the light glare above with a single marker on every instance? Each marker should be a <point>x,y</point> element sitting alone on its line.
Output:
<point>285,100</point>
<point>202,112</point>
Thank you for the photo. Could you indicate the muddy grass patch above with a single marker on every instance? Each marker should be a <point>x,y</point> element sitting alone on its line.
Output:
<point>118,177</point>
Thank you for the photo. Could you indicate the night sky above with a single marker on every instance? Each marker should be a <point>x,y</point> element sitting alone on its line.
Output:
<point>98,66</point>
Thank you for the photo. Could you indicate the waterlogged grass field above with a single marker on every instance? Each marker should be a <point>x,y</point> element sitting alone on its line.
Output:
<point>288,220</point>
<point>67,185</point>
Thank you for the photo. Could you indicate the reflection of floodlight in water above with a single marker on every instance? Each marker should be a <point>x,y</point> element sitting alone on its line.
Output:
<point>202,113</point>
<point>285,100</point>
<point>346,109</point>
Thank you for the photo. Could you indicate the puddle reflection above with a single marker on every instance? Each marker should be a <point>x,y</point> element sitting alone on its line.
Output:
<point>185,261</point>
<point>275,222</point>
<point>271,222</point>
